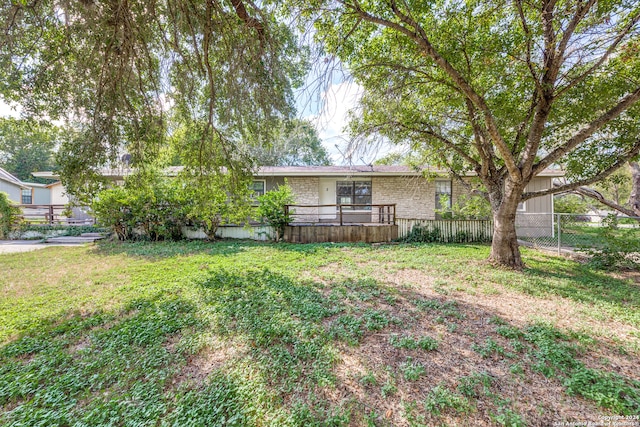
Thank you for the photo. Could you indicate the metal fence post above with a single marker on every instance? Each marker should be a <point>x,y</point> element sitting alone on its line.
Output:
<point>559,239</point>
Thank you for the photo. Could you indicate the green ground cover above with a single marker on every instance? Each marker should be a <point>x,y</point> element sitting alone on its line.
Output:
<point>244,334</point>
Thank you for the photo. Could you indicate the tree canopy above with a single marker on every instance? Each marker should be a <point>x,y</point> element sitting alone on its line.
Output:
<point>27,146</point>
<point>502,89</point>
<point>295,143</point>
<point>114,69</point>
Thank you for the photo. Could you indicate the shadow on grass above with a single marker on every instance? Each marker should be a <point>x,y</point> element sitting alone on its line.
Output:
<point>583,284</point>
<point>159,250</point>
<point>124,368</point>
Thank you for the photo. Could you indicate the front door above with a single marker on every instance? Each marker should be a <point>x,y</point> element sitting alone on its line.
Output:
<point>327,193</point>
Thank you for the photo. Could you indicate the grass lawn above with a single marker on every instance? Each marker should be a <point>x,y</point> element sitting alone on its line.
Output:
<point>590,236</point>
<point>249,334</point>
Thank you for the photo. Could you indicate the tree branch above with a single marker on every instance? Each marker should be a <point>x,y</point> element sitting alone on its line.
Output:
<point>587,131</point>
<point>527,32</point>
<point>622,159</point>
<point>593,194</point>
<point>249,21</point>
<point>602,59</point>
<point>419,36</point>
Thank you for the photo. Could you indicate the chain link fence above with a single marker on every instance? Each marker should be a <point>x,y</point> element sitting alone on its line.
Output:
<point>570,232</point>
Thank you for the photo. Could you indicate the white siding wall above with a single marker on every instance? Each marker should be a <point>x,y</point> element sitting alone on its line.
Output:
<point>58,196</point>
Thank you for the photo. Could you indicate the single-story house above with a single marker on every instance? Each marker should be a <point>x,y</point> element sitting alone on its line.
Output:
<point>415,196</point>
<point>397,192</point>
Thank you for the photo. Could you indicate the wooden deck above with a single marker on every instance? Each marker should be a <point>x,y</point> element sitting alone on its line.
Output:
<point>324,232</point>
<point>351,223</point>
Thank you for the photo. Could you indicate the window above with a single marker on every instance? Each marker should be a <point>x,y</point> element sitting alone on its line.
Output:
<point>354,193</point>
<point>443,197</point>
<point>27,198</point>
<point>522,206</point>
<point>258,187</point>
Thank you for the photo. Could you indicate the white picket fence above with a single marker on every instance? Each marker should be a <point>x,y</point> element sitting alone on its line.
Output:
<point>449,230</point>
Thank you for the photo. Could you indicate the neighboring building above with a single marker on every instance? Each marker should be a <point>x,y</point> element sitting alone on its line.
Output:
<point>17,190</point>
<point>40,194</point>
<point>58,196</point>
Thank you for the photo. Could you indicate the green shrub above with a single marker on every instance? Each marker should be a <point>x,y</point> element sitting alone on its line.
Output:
<point>9,216</point>
<point>466,207</point>
<point>112,209</point>
<point>272,208</point>
<point>420,234</point>
<point>212,200</point>
<point>571,204</point>
<point>620,247</point>
<point>147,207</point>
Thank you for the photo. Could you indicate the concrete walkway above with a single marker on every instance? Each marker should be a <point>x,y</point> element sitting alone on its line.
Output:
<point>15,246</point>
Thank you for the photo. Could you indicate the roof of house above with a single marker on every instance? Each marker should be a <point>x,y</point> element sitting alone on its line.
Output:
<point>6,176</point>
<point>365,170</point>
<point>284,171</point>
<point>35,184</point>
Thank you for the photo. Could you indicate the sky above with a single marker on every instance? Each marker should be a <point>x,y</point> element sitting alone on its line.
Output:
<point>329,114</point>
<point>6,110</point>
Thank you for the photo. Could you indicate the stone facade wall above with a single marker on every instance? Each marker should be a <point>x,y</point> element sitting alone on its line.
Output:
<point>414,196</point>
<point>457,190</point>
<point>307,192</point>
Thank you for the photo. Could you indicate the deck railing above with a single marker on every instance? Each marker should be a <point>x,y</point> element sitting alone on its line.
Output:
<point>342,214</point>
<point>50,215</point>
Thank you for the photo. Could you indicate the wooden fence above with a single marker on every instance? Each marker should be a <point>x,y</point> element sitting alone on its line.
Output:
<point>51,215</point>
<point>447,231</point>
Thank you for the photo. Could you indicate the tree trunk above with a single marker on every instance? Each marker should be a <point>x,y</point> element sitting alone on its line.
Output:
<point>504,246</point>
<point>634,198</point>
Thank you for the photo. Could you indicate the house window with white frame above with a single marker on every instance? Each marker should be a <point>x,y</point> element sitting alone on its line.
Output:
<point>258,186</point>
<point>354,193</point>
<point>27,196</point>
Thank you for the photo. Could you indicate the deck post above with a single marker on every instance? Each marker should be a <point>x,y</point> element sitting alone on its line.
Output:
<point>51,214</point>
<point>340,207</point>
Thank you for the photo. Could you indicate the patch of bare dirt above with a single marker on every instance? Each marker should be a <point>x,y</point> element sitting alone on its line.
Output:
<point>522,309</point>
<point>211,358</point>
<point>540,400</point>
<point>83,344</point>
<point>633,275</point>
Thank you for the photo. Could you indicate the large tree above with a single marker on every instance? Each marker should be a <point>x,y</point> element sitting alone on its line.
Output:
<point>27,146</point>
<point>114,68</point>
<point>503,89</point>
<point>295,143</point>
